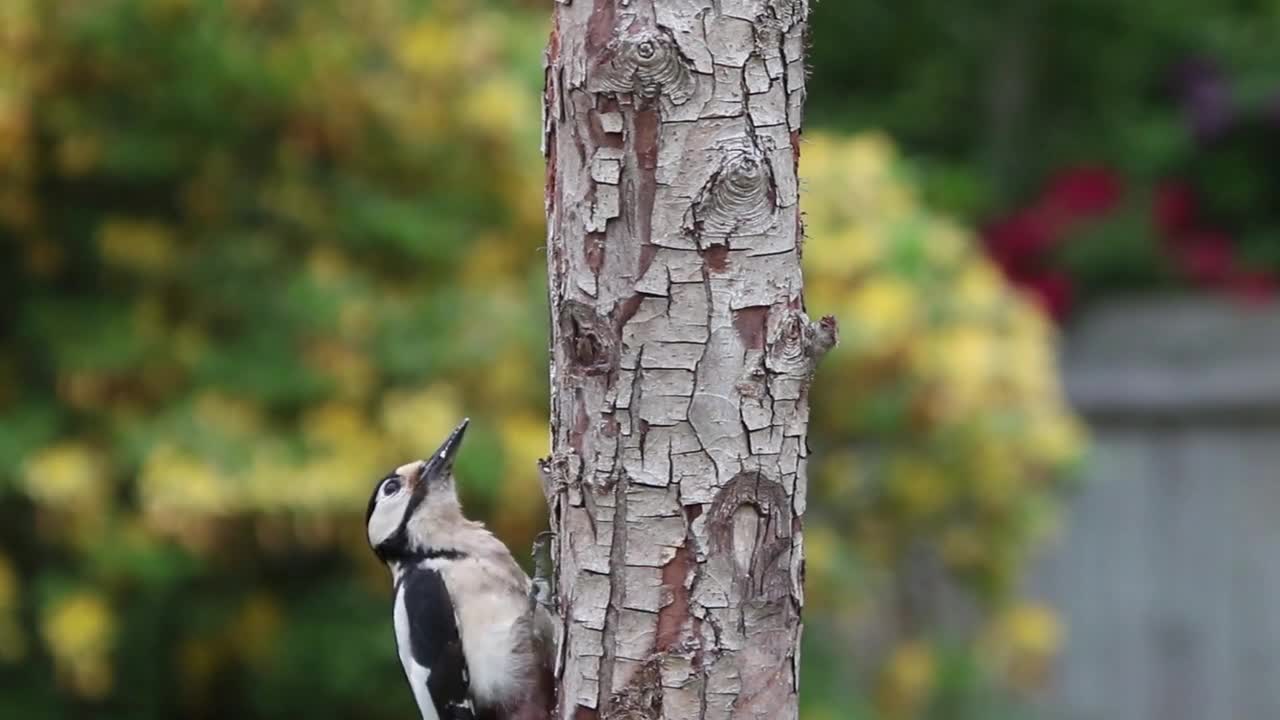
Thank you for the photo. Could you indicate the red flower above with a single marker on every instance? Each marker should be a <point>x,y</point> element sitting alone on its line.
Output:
<point>1053,291</point>
<point>1205,257</point>
<point>1174,208</point>
<point>1020,238</point>
<point>1023,243</point>
<point>1083,192</point>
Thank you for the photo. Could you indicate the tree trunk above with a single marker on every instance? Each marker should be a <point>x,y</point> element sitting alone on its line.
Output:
<point>681,355</point>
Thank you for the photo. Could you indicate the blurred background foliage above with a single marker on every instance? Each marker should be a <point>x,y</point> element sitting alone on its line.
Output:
<point>941,442</point>
<point>255,252</point>
<point>1103,147</point>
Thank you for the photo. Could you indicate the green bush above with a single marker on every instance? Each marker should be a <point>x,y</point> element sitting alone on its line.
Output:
<point>251,255</point>
<point>1174,105</point>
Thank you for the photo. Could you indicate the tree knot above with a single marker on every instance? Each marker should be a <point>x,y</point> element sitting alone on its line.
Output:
<point>644,62</point>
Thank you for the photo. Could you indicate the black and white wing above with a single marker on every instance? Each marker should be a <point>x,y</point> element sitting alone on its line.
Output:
<point>431,648</point>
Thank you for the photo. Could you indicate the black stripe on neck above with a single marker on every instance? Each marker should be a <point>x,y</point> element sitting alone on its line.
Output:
<point>405,557</point>
<point>434,553</point>
<point>397,547</point>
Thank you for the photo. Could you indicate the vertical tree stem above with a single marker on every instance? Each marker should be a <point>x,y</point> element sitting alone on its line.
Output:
<point>681,355</point>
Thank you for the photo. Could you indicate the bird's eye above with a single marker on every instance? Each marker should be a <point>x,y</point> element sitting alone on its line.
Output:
<point>391,487</point>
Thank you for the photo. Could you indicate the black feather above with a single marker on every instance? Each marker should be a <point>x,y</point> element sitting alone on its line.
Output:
<point>435,643</point>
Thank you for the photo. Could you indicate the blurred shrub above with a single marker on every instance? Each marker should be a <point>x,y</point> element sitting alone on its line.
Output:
<point>1015,107</point>
<point>941,439</point>
<point>1090,234</point>
<point>999,94</point>
<point>254,252</point>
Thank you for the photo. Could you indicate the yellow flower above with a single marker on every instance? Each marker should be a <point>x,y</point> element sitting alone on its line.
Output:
<point>429,47</point>
<point>1027,320</point>
<point>979,287</point>
<point>522,190</point>
<point>963,357</point>
<point>919,486</point>
<point>268,463</point>
<point>173,480</point>
<point>896,202</point>
<point>79,625</point>
<point>507,377</point>
<point>331,424</point>
<point>524,440</point>
<point>1055,439</point>
<point>844,253</point>
<point>227,414</point>
<point>79,631</point>
<point>1031,629</point>
<point>347,453</point>
<point>998,472</point>
<point>490,256</point>
<point>908,679</point>
<point>496,106</point>
<point>822,548</point>
<point>420,419</point>
<point>357,320</point>
<point>1024,640</point>
<point>868,155</point>
<point>143,246</point>
<point>328,265</point>
<point>881,308</point>
<point>824,291</point>
<point>338,478</point>
<point>69,474</point>
<point>948,245</point>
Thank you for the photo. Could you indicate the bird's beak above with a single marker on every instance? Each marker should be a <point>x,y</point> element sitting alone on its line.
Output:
<point>440,464</point>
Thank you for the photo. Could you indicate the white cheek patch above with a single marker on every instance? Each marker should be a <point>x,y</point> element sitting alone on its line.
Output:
<point>386,517</point>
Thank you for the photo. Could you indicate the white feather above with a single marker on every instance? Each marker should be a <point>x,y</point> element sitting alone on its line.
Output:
<point>388,511</point>
<point>491,628</point>
<point>417,674</point>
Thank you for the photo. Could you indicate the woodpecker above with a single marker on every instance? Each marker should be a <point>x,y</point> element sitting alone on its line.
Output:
<point>474,643</point>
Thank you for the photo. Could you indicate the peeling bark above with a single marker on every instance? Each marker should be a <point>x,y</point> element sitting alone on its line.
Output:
<point>681,355</point>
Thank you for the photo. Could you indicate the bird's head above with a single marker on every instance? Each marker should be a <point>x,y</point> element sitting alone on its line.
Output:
<point>408,502</point>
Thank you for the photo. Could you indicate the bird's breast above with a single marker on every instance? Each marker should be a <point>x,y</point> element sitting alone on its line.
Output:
<point>494,629</point>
